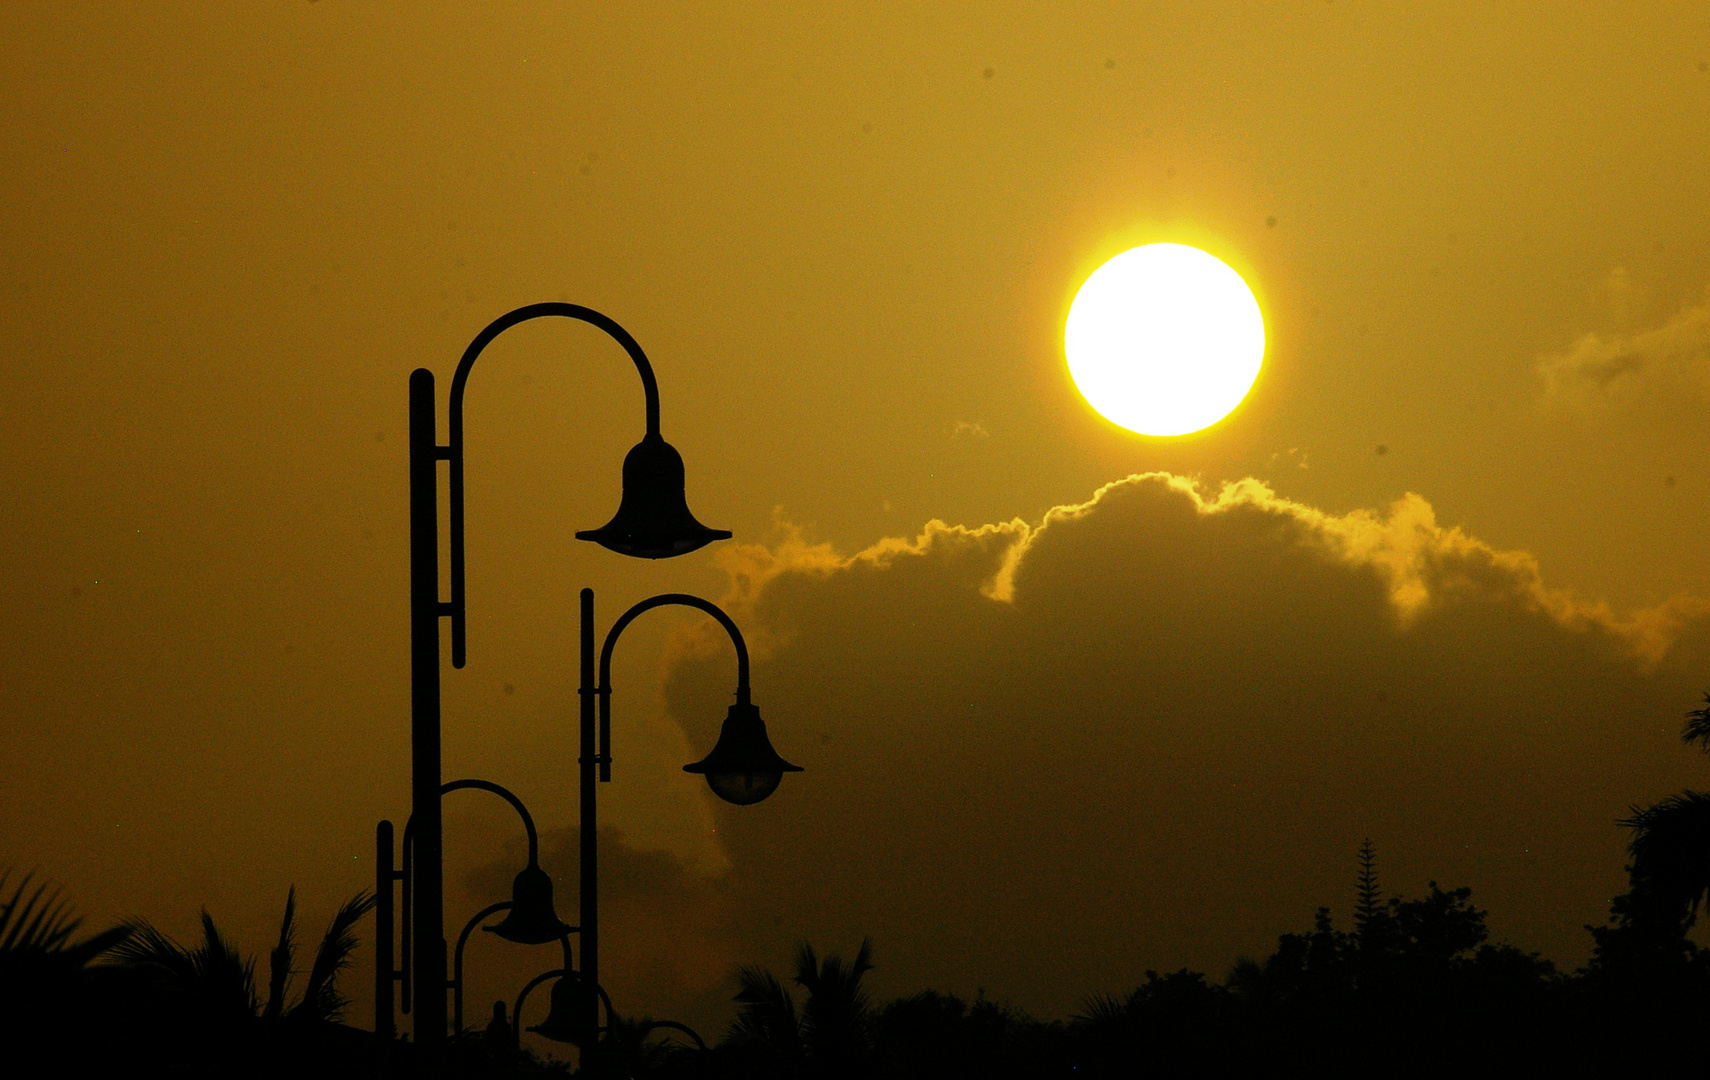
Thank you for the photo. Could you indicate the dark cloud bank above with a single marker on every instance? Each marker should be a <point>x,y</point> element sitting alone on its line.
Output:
<point>1151,731</point>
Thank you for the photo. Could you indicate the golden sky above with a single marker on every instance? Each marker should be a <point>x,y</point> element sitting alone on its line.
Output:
<point>1450,602</point>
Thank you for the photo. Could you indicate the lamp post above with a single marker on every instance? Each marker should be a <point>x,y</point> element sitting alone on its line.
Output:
<point>531,918</point>
<point>652,522</point>
<point>742,768</point>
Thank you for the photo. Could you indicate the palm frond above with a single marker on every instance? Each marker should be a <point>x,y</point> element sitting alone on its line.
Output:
<point>212,978</point>
<point>38,923</point>
<point>36,929</point>
<point>98,945</point>
<point>321,998</point>
<point>226,979</point>
<point>1102,1010</point>
<point>1671,848</point>
<point>767,1012</point>
<point>838,1012</point>
<point>807,966</point>
<point>146,946</point>
<point>279,960</point>
<point>1697,728</point>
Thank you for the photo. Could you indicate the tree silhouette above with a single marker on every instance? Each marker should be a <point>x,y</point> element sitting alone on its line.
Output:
<point>215,984</point>
<point>1697,728</point>
<point>1369,901</point>
<point>831,1035</point>
<point>837,1013</point>
<point>1671,850</point>
<point>36,929</point>
<point>45,974</point>
<point>1671,838</point>
<point>766,1020</point>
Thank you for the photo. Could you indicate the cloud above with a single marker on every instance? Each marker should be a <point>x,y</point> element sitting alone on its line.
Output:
<point>1420,562</point>
<point>966,430</point>
<point>1150,729</point>
<point>1660,360</point>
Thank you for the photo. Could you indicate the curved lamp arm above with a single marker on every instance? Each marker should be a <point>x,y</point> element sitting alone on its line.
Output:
<point>505,794</point>
<point>409,835</point>
<point>558,973</point>
<point>454,452</point>
<point>457,966</point>
<point>605,688</point>
<point>653,1025</point>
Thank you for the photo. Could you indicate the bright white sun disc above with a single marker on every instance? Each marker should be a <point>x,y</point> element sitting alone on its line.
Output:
<point>1164,339</point>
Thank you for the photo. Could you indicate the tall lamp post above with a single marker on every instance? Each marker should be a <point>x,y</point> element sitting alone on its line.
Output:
<point>742,768</point>
<point>652,522</point>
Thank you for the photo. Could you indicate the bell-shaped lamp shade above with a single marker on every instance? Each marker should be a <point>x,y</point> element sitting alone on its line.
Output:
<point>653,520</point>
<point>531,920</point>
<point>743,768</point>
<point>561,1023</point>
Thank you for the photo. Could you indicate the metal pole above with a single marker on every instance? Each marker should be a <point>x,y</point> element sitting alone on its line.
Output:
<point>383,973</point>
<point>590,851</point>
<point>429,916</point>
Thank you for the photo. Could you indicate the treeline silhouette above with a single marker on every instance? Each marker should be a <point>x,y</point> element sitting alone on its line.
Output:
<point>1413,987</point>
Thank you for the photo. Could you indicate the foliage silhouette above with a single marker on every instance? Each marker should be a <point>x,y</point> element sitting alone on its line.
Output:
<point>36,928</point>
<point>1697,728</point>
<point>216,983</point>
<point>837,1014</point>
<point>1670,845</point>
<point>46,975</point>
<point>829,1036</point>
<point>1415,988</point>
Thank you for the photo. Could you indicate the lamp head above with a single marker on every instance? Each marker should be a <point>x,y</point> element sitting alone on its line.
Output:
<point>743,768</point>
<point>653,520</point>
<point>531,920</point>
<point>562,1023</point>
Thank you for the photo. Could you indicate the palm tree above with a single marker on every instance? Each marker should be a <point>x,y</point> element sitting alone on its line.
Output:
<point>40,965</point>
<point>832,1031</point>
<point>1671,840</point>
<point>766,1019</point>
<point>37,929</point>
<point>837,1015</point>
<point>216,983</point>
<point>1671,850</point>
<point>50,987</point>
<point>1698,725</point>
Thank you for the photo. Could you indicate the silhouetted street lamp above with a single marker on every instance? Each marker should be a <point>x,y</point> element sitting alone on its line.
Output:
<point>532,920</point>
<point>562,1024</point>
<point>652,522</point>
<point>742,769</point>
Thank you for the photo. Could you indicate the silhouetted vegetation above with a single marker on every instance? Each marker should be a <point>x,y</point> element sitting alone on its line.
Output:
<point>131,997</point>
<point>1414,987</point>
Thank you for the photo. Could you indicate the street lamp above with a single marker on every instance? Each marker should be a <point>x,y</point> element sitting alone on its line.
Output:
<point>652,522</point>
<point>742,768</point>
<point>531,918</point>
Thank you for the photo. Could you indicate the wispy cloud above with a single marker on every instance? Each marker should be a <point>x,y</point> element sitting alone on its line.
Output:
<point>1600,367</point>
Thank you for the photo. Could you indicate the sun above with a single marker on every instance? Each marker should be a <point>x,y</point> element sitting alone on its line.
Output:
<point>1164,339</point>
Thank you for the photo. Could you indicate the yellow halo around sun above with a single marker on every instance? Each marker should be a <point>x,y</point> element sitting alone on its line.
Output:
<point>1164,339</point>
